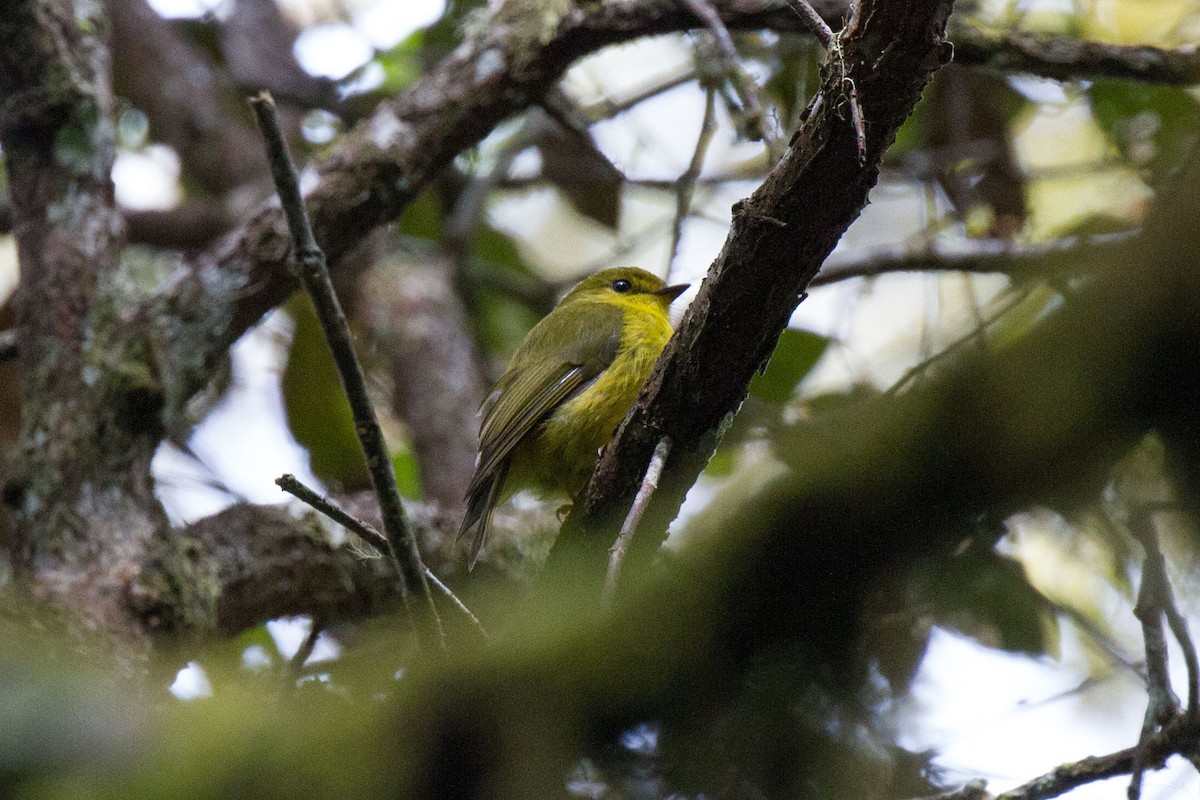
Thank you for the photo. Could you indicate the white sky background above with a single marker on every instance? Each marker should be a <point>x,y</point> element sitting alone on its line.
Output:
<point>988,714</point>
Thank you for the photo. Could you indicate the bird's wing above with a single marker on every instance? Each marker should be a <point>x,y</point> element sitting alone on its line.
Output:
<point>536,384</point>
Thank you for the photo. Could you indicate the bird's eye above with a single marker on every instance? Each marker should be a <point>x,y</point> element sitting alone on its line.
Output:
<point>621,286</point>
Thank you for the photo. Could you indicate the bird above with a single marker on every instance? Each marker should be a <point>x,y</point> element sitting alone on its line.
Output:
<point>567,389</point>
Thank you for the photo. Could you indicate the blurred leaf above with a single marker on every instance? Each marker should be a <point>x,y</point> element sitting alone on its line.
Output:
<point>721,463</point>
<point>401,65</point>
<point>988,597</point>
<point>498,250</point>
<point>408,475</point>
<point>1153,127</point>
<point>589,181</point>
<point>59,712</point>
<point>572,162</point>
<point>913,131</point>
<point>794,75</point>
<point>318,412</point>
<point>423,218</point>
<point>503,322</point>
<point>257,636</point>
<point>501,317</point>
<point>796,353</point>
<point>444,35</point>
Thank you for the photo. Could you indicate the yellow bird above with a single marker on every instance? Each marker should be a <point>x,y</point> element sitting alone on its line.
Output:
<point>566,390</point>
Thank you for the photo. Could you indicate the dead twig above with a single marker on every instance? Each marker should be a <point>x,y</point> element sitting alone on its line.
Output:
<point>1155,597</point>
<point>640,501</point>
<point>685,185</point>
<point>309,261</point>
<point>748,93</point>
<point>373,538</point>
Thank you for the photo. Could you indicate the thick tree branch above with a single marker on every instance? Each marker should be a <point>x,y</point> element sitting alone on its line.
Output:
<point>269,564</point>
<point>85,512</point>
<point>780,237</point>
<point>1066,59</point>
<point>190,103</point>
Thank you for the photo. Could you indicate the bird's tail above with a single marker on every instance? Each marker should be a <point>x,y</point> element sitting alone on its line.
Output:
<point>481,500</point>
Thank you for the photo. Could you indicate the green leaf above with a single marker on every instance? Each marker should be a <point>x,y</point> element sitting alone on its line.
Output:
<point>988,597</point>
<point>796,353</point>
<point>1153,127</point>
<point>318,412</point>
<point>423,218</point>
<point>722,462</point>
<point>408,475</point>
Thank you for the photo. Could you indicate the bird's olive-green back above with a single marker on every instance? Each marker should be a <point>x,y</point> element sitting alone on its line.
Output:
<point>560,356</point>
<point>559,359</point>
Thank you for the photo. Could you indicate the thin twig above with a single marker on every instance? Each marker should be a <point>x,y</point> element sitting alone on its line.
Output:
<point>9,345</point>
<point>856,119</point>
<point>305,651</point>
<point>747,91</point>
<point>1175,738</point>
<point>313,273</point>
<point>813,21</point>
<point>606,108</point>
<point>1163,600</point>
<point>1179,629</point>
<point>685,186</point>
<point>640,501</point>
<point>980,256</point>
<point>1153,596</point>
<point>1019,296</point>
<point>291,485</point>
<point>459,604</point>
<point>971,790</point>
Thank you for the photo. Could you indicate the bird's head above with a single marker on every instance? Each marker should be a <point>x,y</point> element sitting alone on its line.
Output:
<point>625,285</point>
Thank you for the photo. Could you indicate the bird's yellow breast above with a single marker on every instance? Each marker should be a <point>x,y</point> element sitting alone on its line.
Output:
<point>562,452</point>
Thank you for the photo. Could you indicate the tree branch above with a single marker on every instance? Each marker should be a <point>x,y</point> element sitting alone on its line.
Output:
<point>268,564</point>
<point>85,512</point>
<point>1064,59</point>
<point>978,256</point>
<point>372,537</point>
<point>310,262</point>
<point>189,101</point>
<point>780,237</point>
<point>1173,739</point>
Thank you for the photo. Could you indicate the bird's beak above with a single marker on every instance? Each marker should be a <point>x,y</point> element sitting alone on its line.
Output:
<point>671,292</point>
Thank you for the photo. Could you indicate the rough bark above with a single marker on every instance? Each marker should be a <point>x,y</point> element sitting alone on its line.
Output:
<point>268,563</point>
<point>83,502</point>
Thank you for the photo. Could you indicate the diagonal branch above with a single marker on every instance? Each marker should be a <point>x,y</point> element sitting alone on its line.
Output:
<point>780,237</point>
<point>310,263</point>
